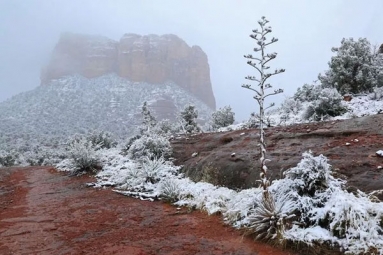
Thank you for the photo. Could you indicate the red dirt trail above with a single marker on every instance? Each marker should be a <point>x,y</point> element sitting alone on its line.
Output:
<point>46,212</point>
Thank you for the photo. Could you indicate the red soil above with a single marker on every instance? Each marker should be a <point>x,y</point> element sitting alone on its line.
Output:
<point>46,212</point>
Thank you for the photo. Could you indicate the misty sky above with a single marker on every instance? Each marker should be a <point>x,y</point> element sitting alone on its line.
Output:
<point>306,29</point>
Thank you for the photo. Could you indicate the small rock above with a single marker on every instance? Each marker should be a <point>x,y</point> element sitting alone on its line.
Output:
<point>347,144</point>
<point>195,154</point>
<point>242,134</point>
<point>233,154</point>
<point>356,140</point>
<point>380,167</point>
<point>308,130</point>
<point>379,153</point>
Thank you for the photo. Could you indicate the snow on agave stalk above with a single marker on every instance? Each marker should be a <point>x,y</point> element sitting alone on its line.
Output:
<point>260,64</point>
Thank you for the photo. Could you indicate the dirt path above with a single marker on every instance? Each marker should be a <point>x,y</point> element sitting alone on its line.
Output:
<point>46,212</point>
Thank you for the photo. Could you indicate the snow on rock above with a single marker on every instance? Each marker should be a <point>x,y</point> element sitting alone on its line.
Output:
<point>379,153</point>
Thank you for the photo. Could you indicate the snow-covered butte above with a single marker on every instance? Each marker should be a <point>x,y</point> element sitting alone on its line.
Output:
<point>151,58</point>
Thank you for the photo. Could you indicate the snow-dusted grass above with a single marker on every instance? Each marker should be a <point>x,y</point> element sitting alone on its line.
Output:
<point>310,205</point>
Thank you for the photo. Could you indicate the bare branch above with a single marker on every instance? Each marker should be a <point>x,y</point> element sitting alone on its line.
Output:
<point>248,86</point>
<point>277,91</point>
<point>252,78</point>
<point>271,105</point>
<point>249,56</point>
<point>254,65</point>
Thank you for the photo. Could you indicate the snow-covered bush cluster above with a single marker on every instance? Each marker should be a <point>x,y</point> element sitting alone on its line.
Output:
<point>82,156</point>
<point>309,205</point>
<point>8,158</point>
<point>153,145</point>
<point>223,117</point>
<point>328,104</point>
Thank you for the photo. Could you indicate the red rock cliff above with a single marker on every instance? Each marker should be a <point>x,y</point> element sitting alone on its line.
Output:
<point>151,58</point>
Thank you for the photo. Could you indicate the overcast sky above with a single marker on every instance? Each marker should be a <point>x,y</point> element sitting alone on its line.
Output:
<point>306,29</point>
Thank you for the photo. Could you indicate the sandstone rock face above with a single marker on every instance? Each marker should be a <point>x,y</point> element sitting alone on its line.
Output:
<point>152,58</point>
<point>350,145</point>
<point>90,56</point>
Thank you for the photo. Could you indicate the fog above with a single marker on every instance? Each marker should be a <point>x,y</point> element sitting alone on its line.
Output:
<point>306,29</point>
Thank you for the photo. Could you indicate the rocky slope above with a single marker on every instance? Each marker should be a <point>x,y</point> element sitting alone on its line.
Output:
<point>153,59</point>
<point>75,104</point>
<point>350,145</point>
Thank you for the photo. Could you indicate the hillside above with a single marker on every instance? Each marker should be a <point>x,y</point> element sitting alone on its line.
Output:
<point>75,104</point>
<point>349,144</point>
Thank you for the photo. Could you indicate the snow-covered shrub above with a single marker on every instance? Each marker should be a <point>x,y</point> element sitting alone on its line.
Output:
<point>102,140</point>
<point>311,175</point>
<point>151,167</point>
<point>204,196</point>
<point>8,158</point>
<point>352,69</point>
<point>377,94</point>
<point>269,215</point>
<point>144,175</point>
<point>308,93</point>
<point>129,143</point>
<point>326,212</point>
<point>155,146</point>
<point>223,117</point>
<point>170,190</point>
<point>43,156</point>
<point>329,103</point>
<point>254,120</point>
<point>165,127</point>
<point>82,156</point>
<point>291,106</point>
<point>188,118</point>
<point>310,183</point>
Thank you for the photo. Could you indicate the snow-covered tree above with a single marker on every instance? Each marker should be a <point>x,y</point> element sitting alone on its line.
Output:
<point>148,120</point>
<point>353,68</point>
<point>188,120</point>
<point>260,63</point>
<point>378,66</point>
<point>223,117</point>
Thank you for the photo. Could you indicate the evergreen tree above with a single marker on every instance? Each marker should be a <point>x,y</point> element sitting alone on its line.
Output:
<point>189,123</point>
<point>353,69</point>
<point>148,120</point>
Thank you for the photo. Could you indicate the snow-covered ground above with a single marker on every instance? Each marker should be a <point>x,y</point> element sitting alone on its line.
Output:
<point>359,106</point>
<point>321,209</point>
